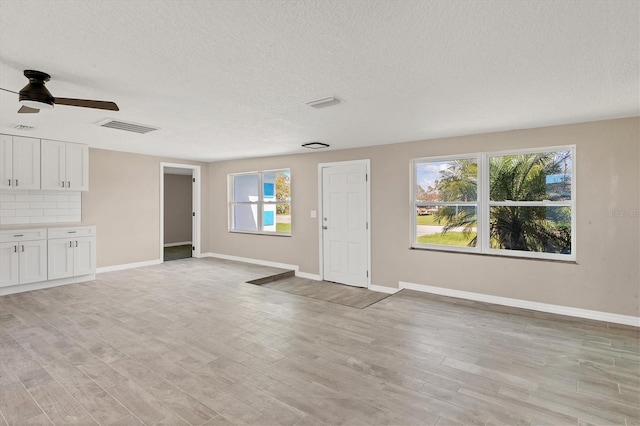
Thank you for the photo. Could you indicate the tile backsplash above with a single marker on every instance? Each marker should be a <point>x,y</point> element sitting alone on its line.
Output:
<point>24,207</point>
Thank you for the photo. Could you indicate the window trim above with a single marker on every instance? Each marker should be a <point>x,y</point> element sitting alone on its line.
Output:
<point>260,203</point>
<point>484,205</point>
<point>416,203</point>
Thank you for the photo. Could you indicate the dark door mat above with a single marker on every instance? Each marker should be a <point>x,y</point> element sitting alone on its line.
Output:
<point>271,278</point>
<point>177,252</point>
<point>341,294</point>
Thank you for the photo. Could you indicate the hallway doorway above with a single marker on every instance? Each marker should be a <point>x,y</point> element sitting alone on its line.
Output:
<point>180,205</point>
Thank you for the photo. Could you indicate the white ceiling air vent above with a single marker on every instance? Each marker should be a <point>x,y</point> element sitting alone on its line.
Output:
<point>23,127</point>
<point>323,102</point>
<point>126,126</point>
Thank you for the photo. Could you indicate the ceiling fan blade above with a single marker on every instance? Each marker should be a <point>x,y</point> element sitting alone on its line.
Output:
<point>10,91</point>
<point>26,110</point>
<point>85,103</point>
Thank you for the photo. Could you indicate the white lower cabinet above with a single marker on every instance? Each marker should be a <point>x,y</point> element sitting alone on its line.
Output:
<point>48,256</point>
<point>23,261</point>
<point>60,259</point>
<point>9,265</point>
<point>84,256</point>
<point>33,261</point>
<point>72,257</point>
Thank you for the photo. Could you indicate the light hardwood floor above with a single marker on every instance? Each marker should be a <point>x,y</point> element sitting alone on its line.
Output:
<point>188,342</point>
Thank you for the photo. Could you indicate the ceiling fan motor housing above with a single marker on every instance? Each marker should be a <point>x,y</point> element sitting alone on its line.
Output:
<point>35,91</point>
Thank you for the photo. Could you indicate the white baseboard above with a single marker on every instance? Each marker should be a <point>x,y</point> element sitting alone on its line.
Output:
<point>128,266</point>
<point>308,276</point>
<point>45,284</point>
<point>183,243</point>
<point>525,304</point>
<point>383,289</point>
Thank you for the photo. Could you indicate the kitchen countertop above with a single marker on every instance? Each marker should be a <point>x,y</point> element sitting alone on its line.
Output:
<point>43,225</point>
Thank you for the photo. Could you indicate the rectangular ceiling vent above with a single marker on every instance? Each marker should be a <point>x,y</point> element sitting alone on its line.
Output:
<point>323,102</point>
<point>126,126</point>
<point>23,127</point>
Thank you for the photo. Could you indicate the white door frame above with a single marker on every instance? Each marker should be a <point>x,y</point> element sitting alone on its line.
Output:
<point>367,163</point>
<point>196,206</point>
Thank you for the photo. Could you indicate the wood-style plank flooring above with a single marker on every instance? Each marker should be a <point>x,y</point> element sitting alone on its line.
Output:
<point>188,342</point>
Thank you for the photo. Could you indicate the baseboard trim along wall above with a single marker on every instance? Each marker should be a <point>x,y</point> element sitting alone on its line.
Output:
<point>295,268</point>
<point>383,289</point>
<point>45,284</point>
<point>128,266</point>
<point>525,304</point>
<point>308,276</point>
<point>183,243</point>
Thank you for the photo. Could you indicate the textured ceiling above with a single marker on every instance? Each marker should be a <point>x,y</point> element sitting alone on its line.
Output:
<point>228,79</point>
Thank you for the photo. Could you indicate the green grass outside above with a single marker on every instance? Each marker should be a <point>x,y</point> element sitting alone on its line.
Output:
<point>448,239</point>
<point>431,220</point>
<point>426,220</point>
<point>283,227</point>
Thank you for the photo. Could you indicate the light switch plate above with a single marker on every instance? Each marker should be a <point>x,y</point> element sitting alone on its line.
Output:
<point>313,213</point>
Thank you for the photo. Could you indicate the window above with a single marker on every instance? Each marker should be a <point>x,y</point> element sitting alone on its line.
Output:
<point>509,203</point>
<point>446,199</point>
<point>260,202</point>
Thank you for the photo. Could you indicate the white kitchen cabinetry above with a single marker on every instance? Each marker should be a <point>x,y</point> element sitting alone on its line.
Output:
<point>23,257</point>
<point>36,258</point>
<point>72,252</point>
<point>65,166</point>
<point>19,162</point>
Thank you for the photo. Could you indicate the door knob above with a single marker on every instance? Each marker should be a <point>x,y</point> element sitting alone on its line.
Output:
<point>324,227</point>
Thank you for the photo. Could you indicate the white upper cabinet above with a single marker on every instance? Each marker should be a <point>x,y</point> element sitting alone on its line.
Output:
<point>19,162</point>
<point>6,161</point>
<point>77,157</point>
<point>53,165</point>
<point>65,166</point>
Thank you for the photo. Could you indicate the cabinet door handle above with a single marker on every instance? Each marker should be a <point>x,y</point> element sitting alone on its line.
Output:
<point>68,184</point>
<point>70,243</point>
<point>18,235</point>
<point>16,182</point>
<point>22,248</point>
<point>76,244</point>
<point>9,182</point>
<point>15,249</point>
<point>63,184</point>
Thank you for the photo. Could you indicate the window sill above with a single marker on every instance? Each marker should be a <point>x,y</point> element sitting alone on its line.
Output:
<point>571,262</point>
<point>272,234</point>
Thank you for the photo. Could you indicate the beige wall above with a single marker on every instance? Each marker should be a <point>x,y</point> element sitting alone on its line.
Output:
<point>605,278</point>
<point>178,207</point>
<point>124,202</point>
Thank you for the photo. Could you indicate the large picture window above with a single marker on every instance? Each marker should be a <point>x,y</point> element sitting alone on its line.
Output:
<point>509,203</point>
<point>260,202</point>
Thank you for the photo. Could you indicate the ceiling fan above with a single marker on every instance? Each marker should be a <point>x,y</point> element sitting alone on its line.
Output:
<point>34,96</point>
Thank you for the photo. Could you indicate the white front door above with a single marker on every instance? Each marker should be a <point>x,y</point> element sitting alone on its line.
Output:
<point>345,245</point>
